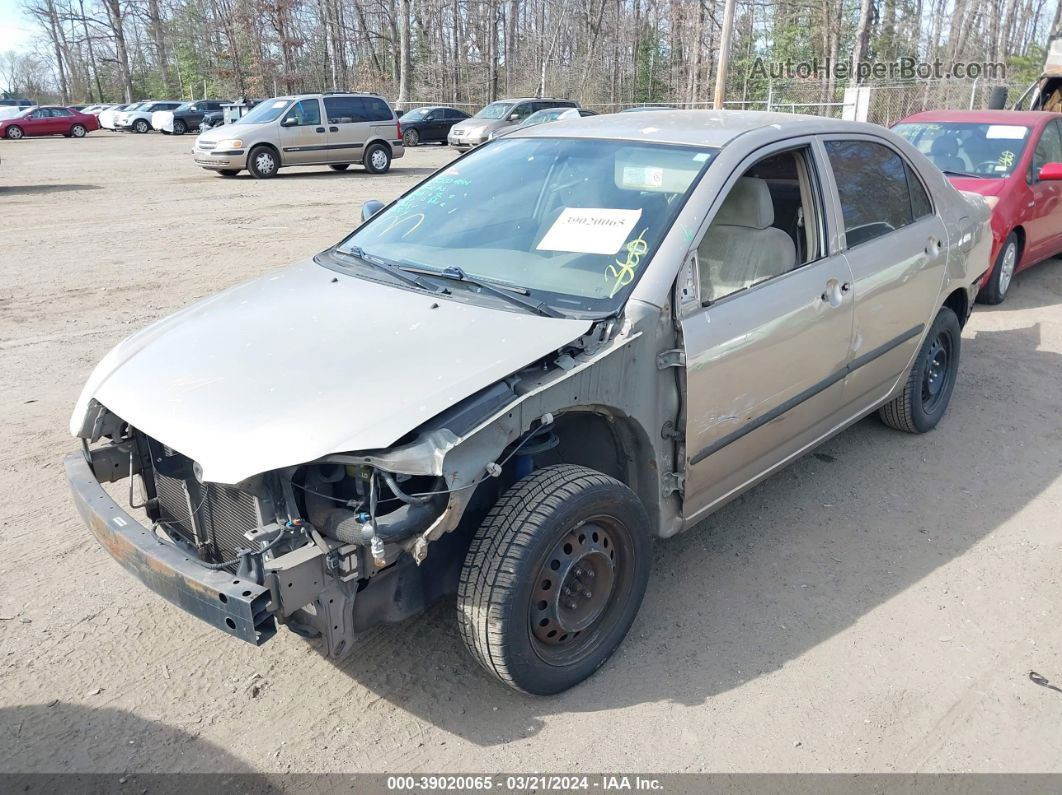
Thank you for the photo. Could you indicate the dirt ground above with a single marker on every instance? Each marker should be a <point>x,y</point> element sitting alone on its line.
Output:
<point>879,606</point>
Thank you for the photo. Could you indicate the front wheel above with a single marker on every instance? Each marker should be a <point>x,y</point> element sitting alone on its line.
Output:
<point>925,397</point>
<point>554,578</point>
<point>377,159</point>
<point>14,132</point>
<point>141,126</point>
<point>1002,273</point>
<point>262,162</point>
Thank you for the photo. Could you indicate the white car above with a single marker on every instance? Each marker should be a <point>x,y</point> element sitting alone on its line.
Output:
<point>109,117</point>
<point>11,111</point>
<point>138,119</point>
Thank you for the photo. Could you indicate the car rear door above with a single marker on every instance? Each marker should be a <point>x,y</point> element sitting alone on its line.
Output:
<point>897,247</point>
<point>347,128</point>
<point>764,364</point>
<point>1043,224</point>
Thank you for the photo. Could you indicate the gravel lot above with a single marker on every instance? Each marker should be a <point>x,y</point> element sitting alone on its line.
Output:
<point>878,606</point>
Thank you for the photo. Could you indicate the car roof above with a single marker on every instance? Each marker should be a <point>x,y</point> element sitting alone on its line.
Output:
<point>714,128</point>
<point>1026,118</point>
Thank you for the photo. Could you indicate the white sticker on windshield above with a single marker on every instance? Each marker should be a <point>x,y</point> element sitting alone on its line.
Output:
<point>1010,132</point>
<point>280,103</point>
<point>589,230</point>
<point>643,177</point>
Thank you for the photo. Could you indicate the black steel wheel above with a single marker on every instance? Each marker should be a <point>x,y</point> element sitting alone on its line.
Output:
<point>554,578</point>
<point>929,385</point>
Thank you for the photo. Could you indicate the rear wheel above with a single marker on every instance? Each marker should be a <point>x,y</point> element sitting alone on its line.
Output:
<point>1002,272</point>
<point>262,162</point>
<point>78,131</point>
<point>339,166</point>
<point>141,126</point>
<point>925,397</point>
<point>554,578</point>
<point>179,127</point>
<point>14,132</point>
<point>377,159</point>
<point>411,137</point>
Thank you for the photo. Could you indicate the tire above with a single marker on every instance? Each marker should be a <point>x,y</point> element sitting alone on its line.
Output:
<point>263,162</point>
<point>179,127</point>
<point>1002,272</point>
<point>931,381</point>
<point>141,126</point>
<point>78,131</point>
<point>411,138</point>
<point>339,166</point>
<point>566,519</point>
<point>14,132</point>
<point>377,159</point>
<point>228,172</point>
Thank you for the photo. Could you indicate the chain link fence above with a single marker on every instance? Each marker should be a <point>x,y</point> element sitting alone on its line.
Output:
<point>878,102</point>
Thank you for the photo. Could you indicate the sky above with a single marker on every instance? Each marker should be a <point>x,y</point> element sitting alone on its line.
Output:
<point>16,31</point>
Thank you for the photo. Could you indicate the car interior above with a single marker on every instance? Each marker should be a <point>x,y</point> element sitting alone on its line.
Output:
<point>762,229</point>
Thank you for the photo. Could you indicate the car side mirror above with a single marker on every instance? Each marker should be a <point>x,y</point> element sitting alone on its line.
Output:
<point>429,118</point>
<point>514,117</point>
<point>1051,171</point>
<point>369,208</point>
<point>288,121</point>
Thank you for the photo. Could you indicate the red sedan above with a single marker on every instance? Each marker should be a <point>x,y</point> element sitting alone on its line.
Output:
<point>49,120</point>
<point>1014,159</point>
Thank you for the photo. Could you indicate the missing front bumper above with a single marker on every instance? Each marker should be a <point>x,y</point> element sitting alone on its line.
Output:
<point>233,605</point>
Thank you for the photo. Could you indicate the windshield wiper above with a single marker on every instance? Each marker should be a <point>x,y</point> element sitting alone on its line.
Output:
<point>392,268</point>
<point>949,172</point>
<point>512,294</point>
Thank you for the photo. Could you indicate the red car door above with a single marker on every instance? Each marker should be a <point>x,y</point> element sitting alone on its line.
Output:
<point>1043,224</point>
<point>37,122</point>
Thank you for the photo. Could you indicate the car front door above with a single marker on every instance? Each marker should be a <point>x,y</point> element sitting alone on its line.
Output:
<point>39,122</point>
<point>1043,223</point>
<point>303,138</point>
<point>766,348</point>
<point>897,248</point>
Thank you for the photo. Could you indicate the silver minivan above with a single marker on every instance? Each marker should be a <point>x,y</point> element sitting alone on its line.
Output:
<point>331,129</point>
<point>500,115</point>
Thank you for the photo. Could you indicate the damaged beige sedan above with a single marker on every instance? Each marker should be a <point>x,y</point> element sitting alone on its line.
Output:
<point>504,384</point>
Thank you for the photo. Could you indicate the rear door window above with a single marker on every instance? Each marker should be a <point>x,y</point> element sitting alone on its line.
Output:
<point>872,185</point>
<point>342,110</point>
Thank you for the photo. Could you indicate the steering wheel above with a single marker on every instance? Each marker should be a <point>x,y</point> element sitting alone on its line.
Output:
<point>986,167</point>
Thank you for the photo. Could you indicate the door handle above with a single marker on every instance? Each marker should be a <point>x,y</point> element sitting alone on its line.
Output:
<point>834,292</point>
<point>319,129</point>
<point>333,129</point>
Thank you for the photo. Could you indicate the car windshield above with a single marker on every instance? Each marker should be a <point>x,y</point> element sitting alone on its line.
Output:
<point>183,106</point>
<point>984,151</point>
<point>538,117</point>
<point>415,115</point>
<point>494,110</point>
<point>270,110</point>
<point>572,222</point>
